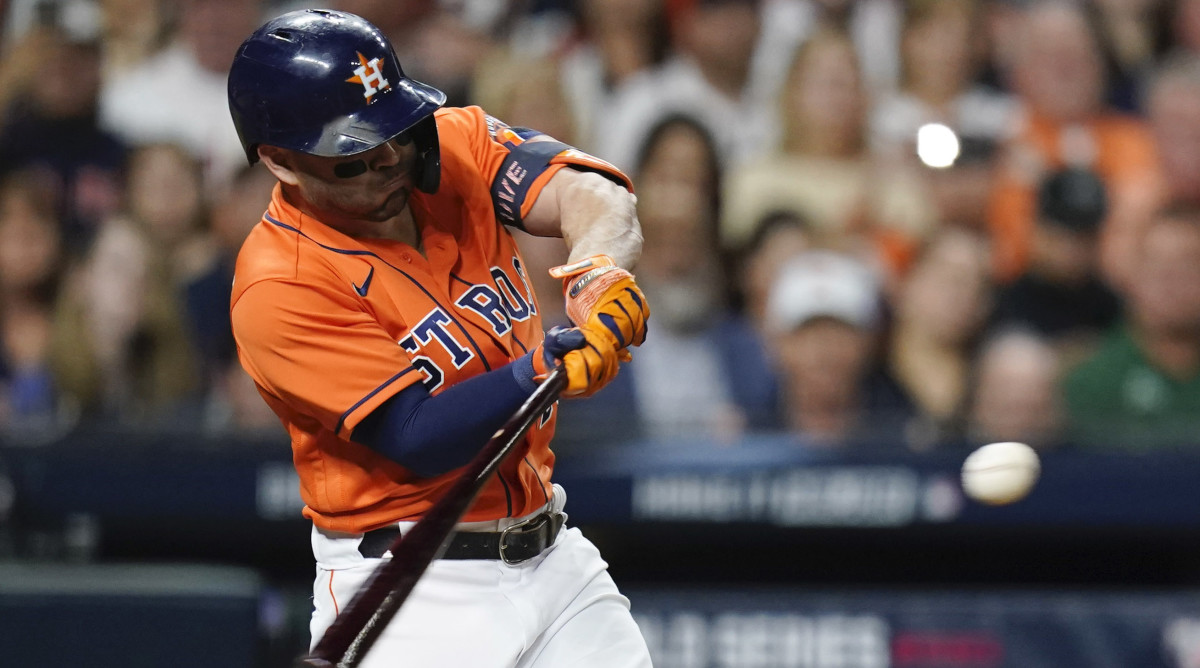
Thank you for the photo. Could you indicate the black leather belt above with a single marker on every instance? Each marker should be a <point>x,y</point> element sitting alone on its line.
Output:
<point>513,545</point>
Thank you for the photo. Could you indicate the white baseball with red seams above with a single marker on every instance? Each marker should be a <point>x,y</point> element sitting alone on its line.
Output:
<point>1000,473</point>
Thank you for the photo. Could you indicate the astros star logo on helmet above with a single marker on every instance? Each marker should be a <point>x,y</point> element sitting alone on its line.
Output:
<point>369,73</point>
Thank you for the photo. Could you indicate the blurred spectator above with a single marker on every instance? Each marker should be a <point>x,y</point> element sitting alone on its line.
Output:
<point>939,314</point>
<point>239,208</point>
<point>825,171</point>
<point>942,48</point>
<point>30,264</point>
<point>1002,22</point>
<point>167,203</point>
<point>1141,389</point>
<point>778,237</point>
<point>207,261</point>
<point>1185,26</point>
<point>709,76</point>
<point>1060,294</point>
<point>1059,75</point>
<point>124,340</point>
<point>874,26</point>
<point>48,127</point>
<point>618,40</point>
<point>233,403</point>
<point>178,95</point>
<point>133,31</point>
<point>1016,391</point>
<point>823,319</point>
<point>1173,110</point>
<point>526,92</point>
<point>704,373</point>
<point>1134,34</point>
<point>18,17</point>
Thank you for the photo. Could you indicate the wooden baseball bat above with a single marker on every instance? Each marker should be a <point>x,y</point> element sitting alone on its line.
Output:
<point>376,602</point>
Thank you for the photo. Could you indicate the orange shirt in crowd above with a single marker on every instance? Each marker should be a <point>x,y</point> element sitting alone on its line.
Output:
<point>1119,148</point>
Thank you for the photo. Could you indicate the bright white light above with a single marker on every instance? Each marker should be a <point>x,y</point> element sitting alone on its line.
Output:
<point>937,145</point>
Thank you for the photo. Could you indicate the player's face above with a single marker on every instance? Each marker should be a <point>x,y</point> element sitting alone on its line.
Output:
<point>354,192</point>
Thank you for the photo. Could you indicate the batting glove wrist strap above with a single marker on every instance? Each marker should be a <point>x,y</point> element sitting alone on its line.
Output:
<point>605,297</point>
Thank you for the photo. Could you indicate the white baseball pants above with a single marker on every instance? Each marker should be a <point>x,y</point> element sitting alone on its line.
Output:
<point>560,609</point>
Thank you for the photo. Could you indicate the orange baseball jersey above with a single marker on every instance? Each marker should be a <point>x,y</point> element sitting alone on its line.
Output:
<point>330,326</point>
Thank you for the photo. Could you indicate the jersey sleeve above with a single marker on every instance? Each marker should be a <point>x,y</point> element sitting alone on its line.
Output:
<point>318,352</point>
<point>518,163</point>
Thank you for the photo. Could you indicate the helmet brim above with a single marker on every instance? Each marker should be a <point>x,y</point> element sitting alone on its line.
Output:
<point>390,114</point>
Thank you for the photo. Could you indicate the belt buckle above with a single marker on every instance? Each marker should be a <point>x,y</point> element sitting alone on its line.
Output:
<point>532,524</point>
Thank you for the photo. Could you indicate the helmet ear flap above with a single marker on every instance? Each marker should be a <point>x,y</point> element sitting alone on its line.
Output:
<point>428,172</point>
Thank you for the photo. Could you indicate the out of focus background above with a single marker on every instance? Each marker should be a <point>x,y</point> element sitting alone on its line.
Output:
<point>878,233</point>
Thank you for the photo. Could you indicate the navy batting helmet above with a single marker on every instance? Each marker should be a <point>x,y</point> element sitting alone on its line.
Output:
<point>328,83</point>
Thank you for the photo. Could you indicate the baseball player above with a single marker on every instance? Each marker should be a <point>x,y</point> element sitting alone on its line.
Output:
<point>385,314</point>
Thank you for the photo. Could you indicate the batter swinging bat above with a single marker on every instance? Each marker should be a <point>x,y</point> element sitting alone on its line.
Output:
<point>374,605</point>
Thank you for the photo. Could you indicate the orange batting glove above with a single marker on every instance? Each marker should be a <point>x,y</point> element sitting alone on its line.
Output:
<point>604,297</point>
<point>590,359</point>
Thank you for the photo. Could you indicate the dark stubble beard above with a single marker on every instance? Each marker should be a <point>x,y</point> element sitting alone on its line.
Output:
<point>393,206</point>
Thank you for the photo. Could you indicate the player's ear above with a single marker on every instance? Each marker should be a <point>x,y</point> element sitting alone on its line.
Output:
<point>278,162</point>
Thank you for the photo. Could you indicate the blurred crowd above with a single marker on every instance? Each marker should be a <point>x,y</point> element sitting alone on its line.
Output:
<point>892,223</point>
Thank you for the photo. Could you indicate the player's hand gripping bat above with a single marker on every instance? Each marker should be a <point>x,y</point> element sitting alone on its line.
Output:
<point>376,602</point>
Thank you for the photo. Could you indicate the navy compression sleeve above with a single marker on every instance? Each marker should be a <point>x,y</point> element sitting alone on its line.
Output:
<point>430,435</point>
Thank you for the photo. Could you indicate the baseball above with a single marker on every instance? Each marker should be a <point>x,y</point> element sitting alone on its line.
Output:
<point>1000,473</point>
